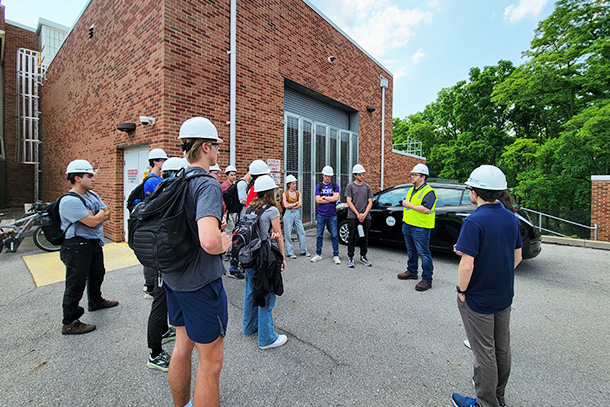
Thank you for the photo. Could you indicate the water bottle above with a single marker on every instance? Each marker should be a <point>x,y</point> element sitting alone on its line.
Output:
<point>360,231</point>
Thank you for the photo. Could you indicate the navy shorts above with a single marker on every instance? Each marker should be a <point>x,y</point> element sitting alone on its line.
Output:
<point>203,312</point>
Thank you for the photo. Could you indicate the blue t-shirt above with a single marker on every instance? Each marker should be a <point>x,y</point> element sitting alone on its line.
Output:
<point>490,235</point>
<point>204,199</point>
<point>322,189</point>
<point>151,183</point>
<point>71,210</point>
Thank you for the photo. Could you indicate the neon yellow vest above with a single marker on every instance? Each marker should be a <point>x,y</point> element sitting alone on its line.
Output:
<point>412,217</point>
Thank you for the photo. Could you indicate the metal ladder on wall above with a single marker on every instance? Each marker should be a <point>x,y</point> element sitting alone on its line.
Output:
<point>30,74</point>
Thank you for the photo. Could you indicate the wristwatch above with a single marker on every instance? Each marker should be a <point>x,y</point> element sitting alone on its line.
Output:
<point>457,288</point>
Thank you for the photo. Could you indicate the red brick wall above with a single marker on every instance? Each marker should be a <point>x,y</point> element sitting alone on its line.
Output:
<point>16,180</point>
<point>600,206</point>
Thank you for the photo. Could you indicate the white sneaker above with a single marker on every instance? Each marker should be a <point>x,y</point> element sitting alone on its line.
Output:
<point>337,260</point>
<point>467,343</point>
<point>315,258</point>
<point>293,256</point>
<point>281,340</point>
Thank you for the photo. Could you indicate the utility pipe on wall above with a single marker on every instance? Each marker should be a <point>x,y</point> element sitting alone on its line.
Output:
<point>233,53</point>
<point>384,84</point>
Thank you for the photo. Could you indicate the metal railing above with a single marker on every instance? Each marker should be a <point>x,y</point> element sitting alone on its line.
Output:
<point>539,226</point>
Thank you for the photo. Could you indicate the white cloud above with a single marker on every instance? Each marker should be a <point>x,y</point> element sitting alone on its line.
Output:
<point>377,25</point>
<point>417,56</point>
<point>399,73</point>
<point>525,8</point>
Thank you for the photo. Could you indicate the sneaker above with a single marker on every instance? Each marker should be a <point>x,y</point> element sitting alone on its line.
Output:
<point>169,336</point>
<point>423,286</point>
<point>293,256</point>
<point>336,259</point>
<point>461,401</point>
<point>76,328</point>
<point>350,262</point>
<point>102,305</point>
<point>316,258</point>
<point>237,274</point>
<point>365,261</point>
<point>406,276</point>
<point>145,289</point>
<point>467,343</point>
<point>306,254</point>
<point>281,340</point>
<point>148,295</point>
<point>161,362</point>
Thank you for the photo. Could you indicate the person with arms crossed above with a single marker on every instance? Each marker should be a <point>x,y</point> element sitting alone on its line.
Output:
<point>327,195</point>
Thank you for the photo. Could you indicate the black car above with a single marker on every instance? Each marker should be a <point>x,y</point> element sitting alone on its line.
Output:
<point>452,207</point>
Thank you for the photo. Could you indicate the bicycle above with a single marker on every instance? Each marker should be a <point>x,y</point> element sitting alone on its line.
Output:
<point>11,233</point>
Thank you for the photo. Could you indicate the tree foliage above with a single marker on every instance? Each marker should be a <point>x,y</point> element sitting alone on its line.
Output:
<point>546,123</point>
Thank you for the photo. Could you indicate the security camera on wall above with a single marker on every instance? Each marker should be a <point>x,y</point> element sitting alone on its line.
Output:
<point>331,59</point>
<point>147,120</point>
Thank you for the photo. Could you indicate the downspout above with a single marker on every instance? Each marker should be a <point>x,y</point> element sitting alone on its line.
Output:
<point>384,85</point>
<point>232,52</point>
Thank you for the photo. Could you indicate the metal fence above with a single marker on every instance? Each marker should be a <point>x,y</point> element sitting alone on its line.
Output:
<point>563,227</point>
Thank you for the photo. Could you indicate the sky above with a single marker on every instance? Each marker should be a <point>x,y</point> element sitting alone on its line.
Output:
<point>427,45</point>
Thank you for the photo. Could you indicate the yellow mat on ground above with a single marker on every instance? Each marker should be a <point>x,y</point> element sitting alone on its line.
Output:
<point>47,268</point>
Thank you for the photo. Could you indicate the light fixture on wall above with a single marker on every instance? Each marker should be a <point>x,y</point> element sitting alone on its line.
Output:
<point>370,109</point>
<point>126,127</point>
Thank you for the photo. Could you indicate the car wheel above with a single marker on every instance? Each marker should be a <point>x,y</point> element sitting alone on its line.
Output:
<point>343,232</point>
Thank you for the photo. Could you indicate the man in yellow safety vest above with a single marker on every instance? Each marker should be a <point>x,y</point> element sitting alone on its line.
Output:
<point>418,217</point>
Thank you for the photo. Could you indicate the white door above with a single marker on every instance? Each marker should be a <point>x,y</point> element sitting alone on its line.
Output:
<point>135,168</point>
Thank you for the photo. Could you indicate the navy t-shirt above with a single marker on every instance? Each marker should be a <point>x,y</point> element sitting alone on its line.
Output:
<point>490,235</point>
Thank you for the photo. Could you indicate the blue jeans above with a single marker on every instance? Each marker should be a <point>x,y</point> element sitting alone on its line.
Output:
<point>417,240</point>
<point>258,318</point>
<point>292,218</point>
<point>332,224</point>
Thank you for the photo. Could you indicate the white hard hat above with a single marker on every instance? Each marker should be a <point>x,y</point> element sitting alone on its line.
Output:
<point>186,163</point>
<point>215,167</point>
<point>488,177</point>
<point>173,164</point>
<point>230,168</point>
<point>291,178</point>
<point>199,127</point>
<point>258,167</point>
<point>80,167</point>
<point>328,170</point>
<point>264,183</point>
<point>358,169</point>
<point>157,154</point>
<point>420,169</point>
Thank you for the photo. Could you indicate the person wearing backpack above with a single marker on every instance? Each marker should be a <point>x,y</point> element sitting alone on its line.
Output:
<point>196,299</point>
<point>293,201</point>
<point>259,318</point>
<point>82,219</point>
<point>327,195</point>
<point>156,158</point>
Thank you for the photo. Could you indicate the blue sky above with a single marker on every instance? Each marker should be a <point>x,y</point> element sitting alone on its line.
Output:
<point>427,45</point>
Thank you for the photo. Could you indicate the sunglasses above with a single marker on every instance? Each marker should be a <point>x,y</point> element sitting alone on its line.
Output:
<point>215,145</point>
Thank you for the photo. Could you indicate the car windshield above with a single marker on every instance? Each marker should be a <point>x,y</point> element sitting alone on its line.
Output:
<point>393,197</point>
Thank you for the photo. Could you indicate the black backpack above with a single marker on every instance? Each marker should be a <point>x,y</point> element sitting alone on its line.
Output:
<point>159,230</point>
<point>231,198</point>
<point>246,237</point>
<point>137,194</point>
<point>51,220</point>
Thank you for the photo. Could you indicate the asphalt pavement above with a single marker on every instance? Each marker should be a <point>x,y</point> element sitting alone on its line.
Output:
<point>356,337</point>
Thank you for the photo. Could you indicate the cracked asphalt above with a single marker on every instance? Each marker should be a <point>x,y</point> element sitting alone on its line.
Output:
<point>357,337</point>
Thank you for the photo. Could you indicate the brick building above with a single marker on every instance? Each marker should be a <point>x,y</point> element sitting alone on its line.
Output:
<point>294,104</point>
<point>600,206</point>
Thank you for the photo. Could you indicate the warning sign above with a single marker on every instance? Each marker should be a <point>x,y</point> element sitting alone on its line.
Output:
<point>274,165</point>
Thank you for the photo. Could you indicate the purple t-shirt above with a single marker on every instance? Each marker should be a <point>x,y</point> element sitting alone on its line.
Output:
<point>327,209</point>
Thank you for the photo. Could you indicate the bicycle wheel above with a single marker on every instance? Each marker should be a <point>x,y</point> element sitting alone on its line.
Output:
<point>41,241</point>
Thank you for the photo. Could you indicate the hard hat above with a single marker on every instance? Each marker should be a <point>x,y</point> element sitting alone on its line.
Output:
<point>264,183</point>
<point>199,127</point>
<point>290,178</point>
<point>488,177</point>
<point>186,163</point>
<point>215,167</point>
<point>328,170</point>
<point>420,169</point>
<point>230,168</point>
<point>173,164</point>
<point>358,169</point>
<point>80,167</point>
<point>258,167</point>
<point>157,154</point>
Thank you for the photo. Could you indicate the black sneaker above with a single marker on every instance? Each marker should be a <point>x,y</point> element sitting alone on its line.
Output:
<point>365,261</point>
<point>76,328</point>
<point>237,275</point>
<point>161,362</point>
<point>169,336</point>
